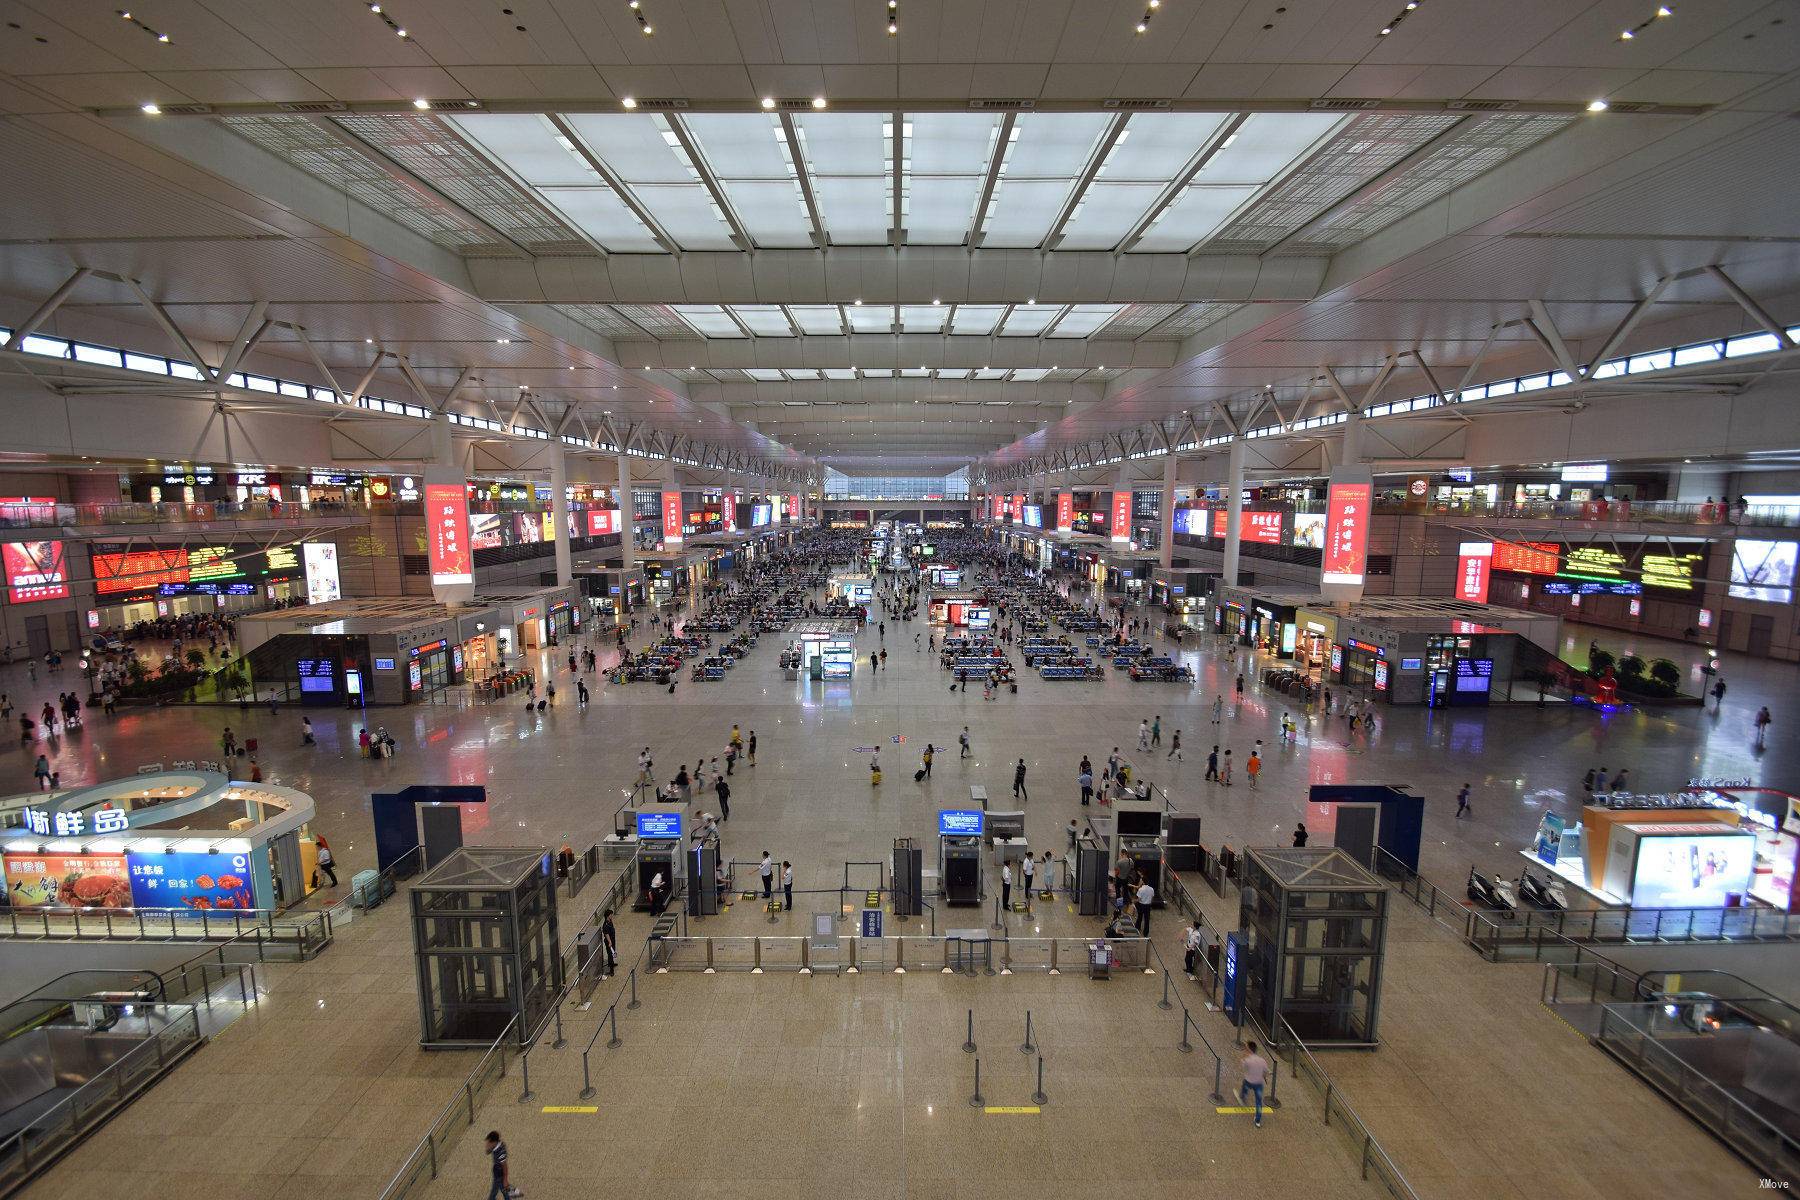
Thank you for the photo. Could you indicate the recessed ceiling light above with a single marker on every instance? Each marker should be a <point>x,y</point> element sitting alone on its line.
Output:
<point>818,102</point>
<point>399,33</point>
<point>150,110</point>
<point>768,102</point>
<point>163,38</point>
<point>1597,106</point>
<point>421,104</point>
<point>504,341</point>
<point>628,102</point>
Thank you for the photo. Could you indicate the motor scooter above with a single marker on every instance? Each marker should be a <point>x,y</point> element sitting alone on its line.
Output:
<point>1542,893</point>
<point>1495,894</point>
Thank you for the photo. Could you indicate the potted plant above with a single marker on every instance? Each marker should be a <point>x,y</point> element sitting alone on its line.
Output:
<point>1599,661</point>
<point>1665,672</point>
<point>1631,667</point>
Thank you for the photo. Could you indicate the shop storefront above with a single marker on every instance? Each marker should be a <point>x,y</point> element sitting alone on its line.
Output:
<point>1314,635</point>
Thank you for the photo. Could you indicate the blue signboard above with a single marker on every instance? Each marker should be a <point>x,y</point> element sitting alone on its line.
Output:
<point>961,822</point>
<point>663,825</point>
<point>184,880</point>
<point>871,922</point>
<point>317,674</point>
<point>1232,992</point>
<point>1549,838</point>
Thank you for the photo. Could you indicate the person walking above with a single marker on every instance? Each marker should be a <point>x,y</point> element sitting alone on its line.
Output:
<point>1143,735</point>
<point>926,758</point>
<point>1175,746</point>
<point>1218,708</point>
<point>722,791</point>
<point>787,886</point>
<point>609,945</point>
<point>1256,1069</point>
<point>1253,768</point>
<point>1300,836</point>
<point>1462,801</point>
<point>1212,766</point>
<point>581,693</point>
<point>41,773</point>
<point>1086,780</point>
<point>306,732</point>
<point>327,863</point>
<point>1006,887</point>
<point>767,871</point>
<point>1763,721</point>
<point>1619,779</point>
<point>737,738</point>
<point>502,1188</point>
<point>1225,770</point>
<point>752,747</point>
<point>962,742</point>
<point>1019,782</point>
<point>1587,782</point>
<point>1146,895</point>
<point>1156,731</point>
<point>1240,689</point>
<point>1600,782</point>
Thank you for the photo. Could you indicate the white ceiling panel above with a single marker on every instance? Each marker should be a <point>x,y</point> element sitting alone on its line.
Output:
<point>923,318</point>
<point>1046,153</point>
<point>976,318</point>
<point>870,318</point>
<point>748,155</point>
<point>1029,320</point>
<point>817,318</point>
<point>632,146</point>
<point>856,209</point>
<point>710,320</point>
<point>687,213</point>
<point>849,160</point>
<point>1192,218</point>
<point>527,146</point>
<point>763,320</point>
<point>602,215</point>
<point>1155,146</point>
<point>1083,320</point>
<point>1107,213</point>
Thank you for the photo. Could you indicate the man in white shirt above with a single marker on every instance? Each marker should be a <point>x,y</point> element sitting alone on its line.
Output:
<point>1029,866</point>
<point>767,871</point>
<point>1006,887</point>
<point>1256,1069</point>
<point>656,891</point>
<point>1190,945</point>
<point>1145,896</point>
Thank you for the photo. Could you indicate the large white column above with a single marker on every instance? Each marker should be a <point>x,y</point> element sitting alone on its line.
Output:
<point>1234,508</point>
<point>1167,512</point>
<point>627,517</point>
<point>559,505</point>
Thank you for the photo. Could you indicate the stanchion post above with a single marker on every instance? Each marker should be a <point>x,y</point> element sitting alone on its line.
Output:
<point>998,923</point>
<point>1218,1092</point>
<point>1274,1079</point>
<point>1038,1096</point>
<point>969,1042</point>
<point>614,1042</point>
<point>587,1080</point>
<point>1164,1002</point>
<point>559,1043</point>
<point>976,1101</point>
<point>634,999</point>
<point>1186,1047</point>
<point>525,1068</point>
<point>1027,1047</point>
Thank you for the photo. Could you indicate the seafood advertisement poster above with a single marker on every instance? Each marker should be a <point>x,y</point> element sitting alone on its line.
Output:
<point>198,881</point>
<point>67,880</point>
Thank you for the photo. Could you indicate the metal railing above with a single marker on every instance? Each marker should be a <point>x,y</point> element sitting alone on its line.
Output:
<point>304,933</point>
<point>895,953</point>
<point>1637,1035</point>
<point>433,1151</point>
<point>200,512</point>
<point>1375,1165</point>
<point>53,1132</point>
<point>1205,973</point>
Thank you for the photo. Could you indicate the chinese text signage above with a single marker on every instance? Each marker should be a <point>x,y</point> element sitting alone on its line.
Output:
<point>447,534</point>
<point>1346,533</point>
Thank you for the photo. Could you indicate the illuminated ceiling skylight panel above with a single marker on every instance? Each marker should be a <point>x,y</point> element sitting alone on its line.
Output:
<point>839,373</point>
<point>856,210</point>
<point>950,143</point>
<point>772,211</point>
<point>992,373</point>
<point>939,211</point>
<point>953,373</point>
<point>710,320</point>
<point>764,374</point>
<point>687,213</point>
<point>1083,320</point>
<point>976,318</point>
<point>1265,145</point>
<point>870,318</point>
<point>802,373</point>
<point>1022,211</point>
<point>923,318</point>
<point>915,372</point>
<point>1192,218</point>
<point>763,320</point>
<point>639,149</point>
<point>1053,145</point>
<point>845,143</point>
<point>817,318</point>
<point>1030,374</point>
<point>602,215</point>
<point>526,145</point>
<point>869,373</point>
<point>1106,214</point>
<point>1029,320</point>
<point>740,146</point>
<point>1154,146</point>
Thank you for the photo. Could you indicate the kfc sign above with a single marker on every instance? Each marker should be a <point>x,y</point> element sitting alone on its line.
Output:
<point>1473,562</point>
<point>1120,525</point>
<point>1347,508</point>
<point>447,533</point>
<point>671,517</point>
<point>1065,511</point>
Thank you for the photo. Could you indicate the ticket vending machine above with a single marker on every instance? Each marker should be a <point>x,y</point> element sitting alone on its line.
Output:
<point>659,852</point>
<point>959,854</point>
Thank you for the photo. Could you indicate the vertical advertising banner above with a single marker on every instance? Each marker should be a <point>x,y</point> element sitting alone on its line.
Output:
<point>1473,563</point>
<point>1120,522</point>
<point>1347,505</point>
<point>322,581</point>
<point>1018,508</point>
<point>451,558</point>
<point>730,507</point>
<point>996,503</point>
<point>793,508</point>
<point>1065,511</point>
<point>671,518</point>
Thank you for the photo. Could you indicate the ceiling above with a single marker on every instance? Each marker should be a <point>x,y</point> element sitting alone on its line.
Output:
<point>1012,225</point>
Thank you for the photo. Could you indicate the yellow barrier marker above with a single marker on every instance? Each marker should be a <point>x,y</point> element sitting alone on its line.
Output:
<point>1229,1110</point>
<point>571,1108</point>
<point>1014,1110</point>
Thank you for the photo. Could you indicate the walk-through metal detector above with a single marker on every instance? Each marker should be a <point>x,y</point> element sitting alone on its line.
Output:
<point>909,898</point>
<point>1091,864</point>
<point>703,893</point>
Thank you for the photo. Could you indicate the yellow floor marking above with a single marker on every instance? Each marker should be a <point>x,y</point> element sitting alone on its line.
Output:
<point>571,1108</point>
<point>1228,1110</point>
<point>1012,1110</point>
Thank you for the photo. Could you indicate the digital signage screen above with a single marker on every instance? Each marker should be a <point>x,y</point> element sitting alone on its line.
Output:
<point>317,675</point>
<point>671,517</point>
<point>322,582</point>
<point>761,514</point>
<point>1309,530</point>
<point>449,553</point>
<point>1472,565</point>
<point>1672,572</point>
<point>35,571</point>
<point>1593,562</point>
<point>1762,570</point>
<point>210,563</point>
<point>1692,870</point>
<point>73,880</point>
<point>1032,515</point>
<point>961,822</point>
<point>663,826</point>
<point>1526,558</point>
<point>1347,510</point>
<point>486,531</point>
<point>139,570</point>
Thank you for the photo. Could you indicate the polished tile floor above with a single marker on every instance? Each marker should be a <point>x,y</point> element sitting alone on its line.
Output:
<point>728,1081</point>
